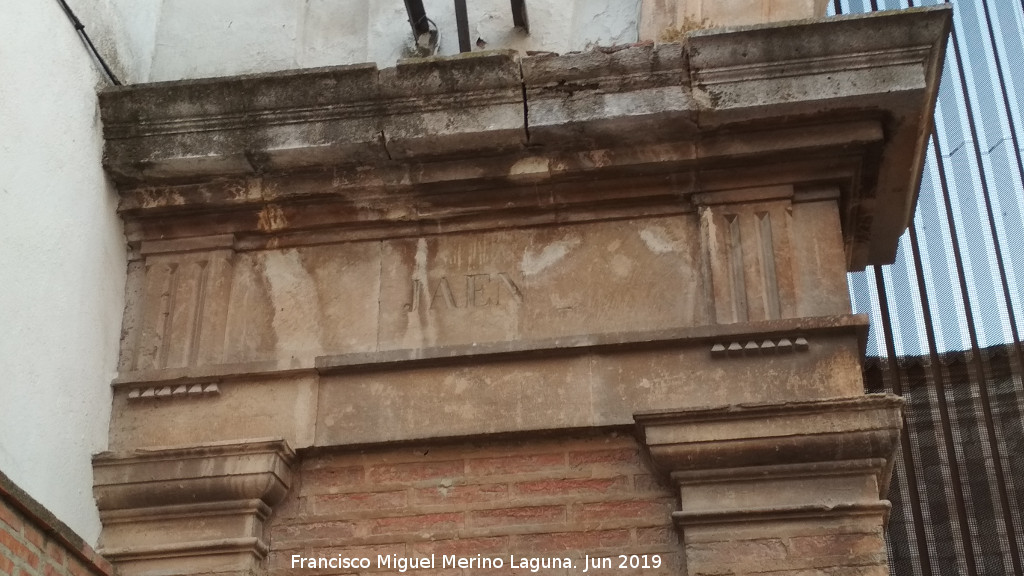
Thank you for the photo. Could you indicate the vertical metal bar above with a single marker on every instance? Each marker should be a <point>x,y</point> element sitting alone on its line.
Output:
<point>897,388</point>
<point>1020,163</point>
<point>839,7</point>
<point>1001,483</point>
<point>519,16</point>
<point>462,22</point>
<point>947,431</point>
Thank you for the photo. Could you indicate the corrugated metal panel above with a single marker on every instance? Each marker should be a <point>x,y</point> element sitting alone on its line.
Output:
<point>947,315</point>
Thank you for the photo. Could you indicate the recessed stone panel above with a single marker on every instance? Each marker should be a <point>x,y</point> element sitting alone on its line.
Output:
<point>541,283</point>
<point>295,304</point>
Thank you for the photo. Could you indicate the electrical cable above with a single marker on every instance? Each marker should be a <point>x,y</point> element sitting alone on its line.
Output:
<point>80,28</point>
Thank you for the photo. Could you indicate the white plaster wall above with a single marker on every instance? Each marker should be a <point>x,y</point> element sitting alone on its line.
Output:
<point>62,264</point>
<point>62,256</point>
<point>200,38</point>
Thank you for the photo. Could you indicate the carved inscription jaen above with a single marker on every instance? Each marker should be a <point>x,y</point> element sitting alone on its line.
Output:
<point>467,291</point>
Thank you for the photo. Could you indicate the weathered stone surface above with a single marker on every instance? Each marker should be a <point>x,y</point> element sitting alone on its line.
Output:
<point>794,484</point>
<point>599,388</point>
<point>635,95</point>
<point>721,85</point>
<point>827,68</point>
<point>443,106</point>
<point>529,284</point>
<point>267,405</point>
<point>392,269</point>
<point>516,386</point>
<point>163,130</point>
<point>190,510</point>
<point>203,303</point>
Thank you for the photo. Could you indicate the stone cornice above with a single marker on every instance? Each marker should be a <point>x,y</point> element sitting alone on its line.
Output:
<point>746,335</point>
<point>191,509</point>
<point>216,472</point>
<point>779,440</point>
<point>724,108</point>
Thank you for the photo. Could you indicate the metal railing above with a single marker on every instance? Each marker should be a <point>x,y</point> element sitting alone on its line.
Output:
<point>947,315</point>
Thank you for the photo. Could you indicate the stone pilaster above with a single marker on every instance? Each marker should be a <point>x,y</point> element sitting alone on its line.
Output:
<point>194,510</point>
<point>780,488</point>
<point>516,249</point>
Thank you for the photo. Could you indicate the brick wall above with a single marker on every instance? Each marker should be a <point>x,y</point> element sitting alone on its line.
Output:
<point>34,543</point>
<point>571,497</point>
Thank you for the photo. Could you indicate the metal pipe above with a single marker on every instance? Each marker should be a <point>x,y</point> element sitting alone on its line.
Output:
<point>519,17</point>
<point>417,17</point>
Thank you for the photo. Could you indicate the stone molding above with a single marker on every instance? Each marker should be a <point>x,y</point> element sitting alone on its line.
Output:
<point>782,440</point>
<point>803,479</point>
<point>780,336</point>
<point>726,108</point>
<point>195,509</point>
<point>489,245</point>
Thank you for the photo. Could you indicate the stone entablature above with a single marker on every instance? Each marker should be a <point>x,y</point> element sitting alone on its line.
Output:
<point>727,108</point>
<point>493,247</point>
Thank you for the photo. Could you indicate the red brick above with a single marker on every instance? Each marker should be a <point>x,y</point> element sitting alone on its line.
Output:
<point>54,551</point>
<point>835,545</point>
<point>657,536</point>
<point>629,509</point>
<point>51,569</point>
<point>763,551</point>
<point>6,565</point>
<point>310,533</point>
<point>279,561</point>
<point>514,464</point>
<point>367,550</point>
<point>339,503</point>
<point>330,480</point>
<point>429,572</point>
<point>76,568</point>
<point>422,523</point>
<point>466,494</point>
<point>10,517</point>
<point>282,559</point>
<point>572,486</point>
<point>648,484</point>
<point>415,471</point>
<point>518,516</point>
<point>463,546</point>
<point>670,565</point>
<point>19,550</point>
<point>34,536</point>
<point>533,544</point>
<point>630,456</point>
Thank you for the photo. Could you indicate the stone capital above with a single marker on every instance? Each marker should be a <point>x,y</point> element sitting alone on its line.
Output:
<point>803,480</point>
<point>190,510</point>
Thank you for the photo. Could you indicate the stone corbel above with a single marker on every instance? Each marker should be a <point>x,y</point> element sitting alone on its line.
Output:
<point>192,510</point>
<point>798,485</point>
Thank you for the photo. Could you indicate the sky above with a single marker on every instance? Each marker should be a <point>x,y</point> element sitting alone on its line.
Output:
<point>971,203</point>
